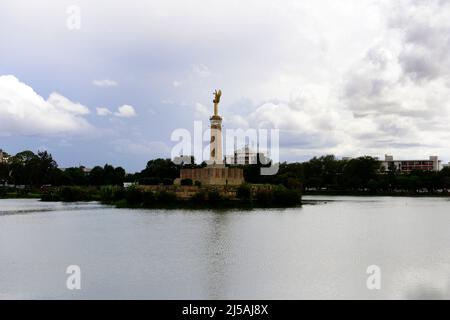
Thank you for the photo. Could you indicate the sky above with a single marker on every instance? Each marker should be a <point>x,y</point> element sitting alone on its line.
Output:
<point>106,81</point>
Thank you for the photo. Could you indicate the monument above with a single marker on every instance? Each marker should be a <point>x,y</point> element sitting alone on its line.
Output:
<point>216,133</point>
<point>215,173</point>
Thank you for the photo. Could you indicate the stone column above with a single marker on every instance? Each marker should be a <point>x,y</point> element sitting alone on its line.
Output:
<point>216,156</point>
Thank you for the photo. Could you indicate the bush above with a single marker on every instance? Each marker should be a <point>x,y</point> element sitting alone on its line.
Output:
<point>285,197</point>
<point>198,198</point>
<point>71,194</point>
<point>148,199</point>
<point>133,196</point>
<point>198,183</point>
<point>122,204</point>
<point>264,197</point>
<point>51,197</point>
<point>372,185</point>
<point>244,192</point>
<point>293,183</point>
<point>164,197</point>
<point>110,194</point>
<point>119,194</point>
<point>149,181</point>
<point>167,182</point>
<point>106,194</point>
<point>186,182</point>
<point>214,197</point>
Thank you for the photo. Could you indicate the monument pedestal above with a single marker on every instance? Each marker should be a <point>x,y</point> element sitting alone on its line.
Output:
<point>218,175</point>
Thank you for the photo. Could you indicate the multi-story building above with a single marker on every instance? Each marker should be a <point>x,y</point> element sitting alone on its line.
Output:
<point>406,166</point>
<point>246,156</point>
<point>3,157</point>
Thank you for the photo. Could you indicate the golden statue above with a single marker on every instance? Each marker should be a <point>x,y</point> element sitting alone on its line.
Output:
<point>217,95</point>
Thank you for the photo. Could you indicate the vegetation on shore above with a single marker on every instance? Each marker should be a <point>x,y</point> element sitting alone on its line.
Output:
<point>30,170</point>
<point>36,175</point>
<point>135,197</point>
<point>368,193</point>
<point>14,193</point>
<point>357,176</point>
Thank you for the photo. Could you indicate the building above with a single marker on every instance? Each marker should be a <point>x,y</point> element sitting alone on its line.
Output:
<point>246,156</point>
<point>82,168</point>
<point>406,166</point>
<point>4,158</point>
<point>215,173</point>
<point>183,160</point>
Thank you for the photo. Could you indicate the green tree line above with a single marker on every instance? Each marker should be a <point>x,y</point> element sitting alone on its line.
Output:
<point>326,173</point>
<point>35,170</point>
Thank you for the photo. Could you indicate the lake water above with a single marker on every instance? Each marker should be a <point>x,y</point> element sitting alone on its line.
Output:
<point>317,251</point>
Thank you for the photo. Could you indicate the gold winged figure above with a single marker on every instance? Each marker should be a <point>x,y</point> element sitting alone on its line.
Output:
<point>217,95</point>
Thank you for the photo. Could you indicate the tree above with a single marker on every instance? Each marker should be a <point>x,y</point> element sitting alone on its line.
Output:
<point>108,175</point>
<point>4,172</point>
<point>161,168</point>
<point>75,176</point>
<point>359,171</point>
<point>20,169</point>
<point>96,176</point>
<point>27,168</point>
<point>444,178</point>
<point>313,173</point>
<point>119,176</point>
<point>44,166</point>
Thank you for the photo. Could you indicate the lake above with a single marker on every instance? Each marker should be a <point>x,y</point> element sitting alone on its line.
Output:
<point>319,251</point>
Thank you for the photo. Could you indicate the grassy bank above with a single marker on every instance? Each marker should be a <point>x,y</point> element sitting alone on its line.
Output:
<point>135,197</point>
<point>13,193</point>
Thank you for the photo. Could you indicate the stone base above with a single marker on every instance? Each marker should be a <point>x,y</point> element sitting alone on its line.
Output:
<point>214,175</point>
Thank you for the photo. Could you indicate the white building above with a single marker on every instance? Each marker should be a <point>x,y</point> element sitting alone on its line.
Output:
<point>406,166</point>
<point>3,157</point>
<point>246,156</point>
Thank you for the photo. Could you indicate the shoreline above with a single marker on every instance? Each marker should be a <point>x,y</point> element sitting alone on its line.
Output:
<point>35,195</point>
<point>377,194</point>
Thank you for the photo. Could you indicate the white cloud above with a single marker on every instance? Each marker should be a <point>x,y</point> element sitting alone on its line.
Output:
<point>103,111</point>
<point>401,88</point>
<point>24,112</point>
<point>307,123</point>
<point>140,147</point>
<point>63,103</point>
<point>176,83</point>
<point>125,111</point>
<point>104,83</point>
<point>201,111</point>
<point>201,70</point>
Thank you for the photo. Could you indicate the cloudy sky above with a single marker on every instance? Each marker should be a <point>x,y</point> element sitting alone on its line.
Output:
<point>349,77</point>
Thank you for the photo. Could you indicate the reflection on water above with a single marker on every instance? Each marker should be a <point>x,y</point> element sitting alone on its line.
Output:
<point>18,206</point>
<point>317,251</point>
